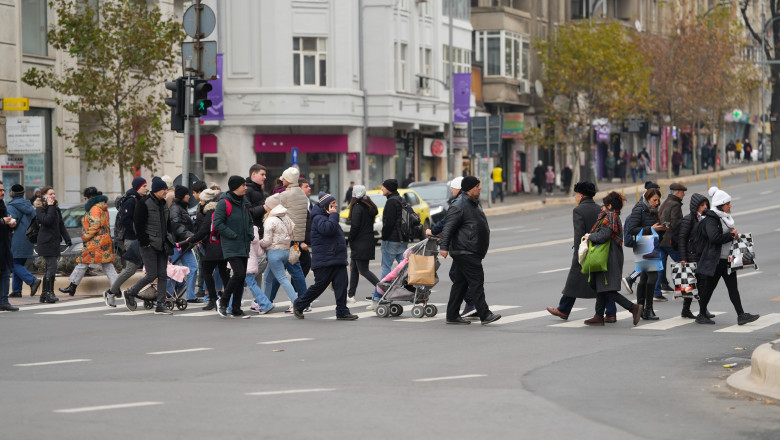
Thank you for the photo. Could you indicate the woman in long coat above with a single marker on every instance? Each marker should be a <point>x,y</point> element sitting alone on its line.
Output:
<point>609,228</point>
<point>52,232</point>
<point>584,217</point>
<point>362,212</point>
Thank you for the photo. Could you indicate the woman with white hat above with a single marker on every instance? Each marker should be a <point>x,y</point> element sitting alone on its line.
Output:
<point>719,230</point>
<point>277,234</point>
<point>362,247</point>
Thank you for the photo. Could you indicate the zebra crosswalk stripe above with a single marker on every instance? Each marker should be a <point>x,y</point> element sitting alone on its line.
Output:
<point>762,322</point>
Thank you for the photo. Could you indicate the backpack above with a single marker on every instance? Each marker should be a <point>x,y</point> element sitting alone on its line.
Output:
<point>119,226</point>
<point>628,239</point>
<point>410,227</point>
<point>32,231</point>
<point>214,237</point>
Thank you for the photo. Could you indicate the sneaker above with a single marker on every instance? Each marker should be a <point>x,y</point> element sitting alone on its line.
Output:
<point>264,312</point>
<point>289,310</point>
<point>15,295</point>
<point>109,298</point>
<point>661,298</point>
<point>349,317</point>
<point>162,310</point>
<point>307,309</point>
<point>194,301</point>
<point>373,305</point>
<point>255,308</point>
<point>746,318</point>
<point>468,311</point>
<point>222,311</point>
<point>239,314</point>
<point>129,300</point>
<point>627,283</point>
<point>351,300</point>
<point>298,314</point>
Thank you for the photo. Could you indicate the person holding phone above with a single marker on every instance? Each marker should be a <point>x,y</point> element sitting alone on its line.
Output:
<point>52,232</point>
<point>671,214</point>
<point>644,220</point>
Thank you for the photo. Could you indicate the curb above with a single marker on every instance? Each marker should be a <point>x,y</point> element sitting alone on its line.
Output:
<point>762,378</point>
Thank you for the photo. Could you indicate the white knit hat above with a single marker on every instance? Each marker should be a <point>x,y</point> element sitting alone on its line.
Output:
<point>455,184</point>
<point>207,195</point>
<point>712,190</point>
<point>720,198</point>
<point>358,191</point>
<point>291,175</point>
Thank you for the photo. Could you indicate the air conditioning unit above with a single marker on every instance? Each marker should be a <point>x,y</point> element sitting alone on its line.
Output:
<point>421,1</point>
<point>214,164</point>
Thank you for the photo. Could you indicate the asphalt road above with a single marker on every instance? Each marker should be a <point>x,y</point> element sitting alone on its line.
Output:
<point>82,370</point>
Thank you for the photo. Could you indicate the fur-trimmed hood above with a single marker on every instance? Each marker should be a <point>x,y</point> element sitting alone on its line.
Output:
<point>95,200</point>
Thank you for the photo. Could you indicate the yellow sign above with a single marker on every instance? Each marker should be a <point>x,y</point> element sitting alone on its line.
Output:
<point>16,104</point>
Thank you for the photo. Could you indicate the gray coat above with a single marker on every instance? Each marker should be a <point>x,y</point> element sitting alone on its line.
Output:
<point>584,216</point>
<point>609,281</point>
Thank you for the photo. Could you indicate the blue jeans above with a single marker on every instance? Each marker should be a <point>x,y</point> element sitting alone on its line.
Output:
<point>567,302</point>
<point>260,297</point>
<point>298,280</point>
<point>391,251</point>
<point>5,283</point>
<point>188,260</point>
<point>277,258</point>
<point>21,274</point>
<point>498,190</point>
<point>664,252</point>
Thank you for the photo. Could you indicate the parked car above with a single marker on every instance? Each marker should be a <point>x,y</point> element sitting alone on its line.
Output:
<point>411,197</point>
<point>436,194</point>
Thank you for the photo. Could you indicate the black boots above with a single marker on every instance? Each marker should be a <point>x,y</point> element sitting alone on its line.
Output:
<point>649,314</point>
<point>686,310</point>
<point>70,290</point>
<point>34,286</point>
<point>212,304</point>
<point>47,295</point>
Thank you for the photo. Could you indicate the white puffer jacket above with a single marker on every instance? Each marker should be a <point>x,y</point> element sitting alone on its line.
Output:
<point>256,253</point>
<point>277,230</point>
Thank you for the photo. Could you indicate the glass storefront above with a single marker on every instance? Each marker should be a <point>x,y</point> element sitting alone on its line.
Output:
<point>320,169</point>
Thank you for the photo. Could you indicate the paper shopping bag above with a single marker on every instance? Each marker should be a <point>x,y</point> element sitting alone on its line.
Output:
<point>422,270</point>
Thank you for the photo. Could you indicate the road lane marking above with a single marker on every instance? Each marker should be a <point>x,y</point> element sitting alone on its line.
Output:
<point>434,379</point>
<point>187,350</point>
<point>754,211</point>
<point>73,311</point>
<point>534,245</point>
<point>443,313</point>
<point>666,324</point>
<point>36,364</point>
<point>517,228</point>
<point>554,270</point>
<point>750,274</point>
<point>78,302</point>
<point>106,407</point>
<point>284,341</point>
<point>275,393</point>
<point>580,322</point>
<point>525,316</point>
<point>763,193</point>
<point>314,310</point>
<point>762,322</point>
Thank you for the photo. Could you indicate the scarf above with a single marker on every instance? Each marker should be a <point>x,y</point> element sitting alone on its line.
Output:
<point>724,217</point>
<point>650,209</point>
<point>610,219</point>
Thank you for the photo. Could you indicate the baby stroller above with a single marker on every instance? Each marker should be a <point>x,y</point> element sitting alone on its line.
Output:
<point>394,287</point>
<point>173,296</point>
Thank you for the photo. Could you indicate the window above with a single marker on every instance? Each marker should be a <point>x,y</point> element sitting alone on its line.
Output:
<point>425,69</point>
<point>425,8</point>
<point>489,47</point>
<point>34,27</point>
<point>402,68</point>
<point>310,61</point>
<point>461,9</point>
<point>461,60</point>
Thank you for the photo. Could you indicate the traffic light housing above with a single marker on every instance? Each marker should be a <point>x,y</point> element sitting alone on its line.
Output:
<point>201,103</point>
<point>177,103</point>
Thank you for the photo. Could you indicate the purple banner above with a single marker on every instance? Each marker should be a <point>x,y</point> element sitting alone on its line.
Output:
<point>462,97</point>
<point>215,95</point>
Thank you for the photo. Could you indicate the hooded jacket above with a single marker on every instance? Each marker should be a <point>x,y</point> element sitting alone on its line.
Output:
<point>235,230</point>
<point>690,244</point>
<point>278,229</point>
<point>297,204</point>
<point>713,238</point>
<point>211,251</point>
<point>98,247</point>
<point>329,248</point>
<point>182,226</point>
<point>23,211</point>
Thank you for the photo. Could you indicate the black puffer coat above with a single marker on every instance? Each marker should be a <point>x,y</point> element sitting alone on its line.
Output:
<point>182,225</point>
<point>361,232</point>
<point>211,251</point>
<point>642,220</point>
<point>256,197</point>
<point>714,237</point>
<point>690,245</point>
<point>466,231</point>
<point>52,231</point>
<point>391,218</point>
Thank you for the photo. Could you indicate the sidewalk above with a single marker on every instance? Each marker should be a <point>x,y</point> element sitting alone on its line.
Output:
<point>531,201</point>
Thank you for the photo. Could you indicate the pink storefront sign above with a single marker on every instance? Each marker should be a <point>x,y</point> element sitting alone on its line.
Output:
<point>208,144</point>
<point>380,146</point>
<point>305,143</point>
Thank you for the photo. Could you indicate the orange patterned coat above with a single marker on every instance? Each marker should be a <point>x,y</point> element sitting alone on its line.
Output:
<point>96,233</point>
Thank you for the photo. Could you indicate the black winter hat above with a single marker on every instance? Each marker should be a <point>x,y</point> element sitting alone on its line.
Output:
<point>587,189</point>
<point>17,191</point>
<point>158,184</point>
<point>391,185</point>
<point>180,192</point>
<point>468,183</point>
<point>650,184</point>
<point>90,192</point>
<point>235,182</point>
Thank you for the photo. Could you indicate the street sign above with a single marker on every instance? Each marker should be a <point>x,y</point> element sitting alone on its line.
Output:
<point>737,113</point>
<point>199,21</point>
<point>16,104</point>
<point>294,156</point>
<point>207,55</point>
<point>25,135</point>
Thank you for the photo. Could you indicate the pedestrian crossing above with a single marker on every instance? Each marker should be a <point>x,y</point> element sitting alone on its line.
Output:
<point>512,315</point>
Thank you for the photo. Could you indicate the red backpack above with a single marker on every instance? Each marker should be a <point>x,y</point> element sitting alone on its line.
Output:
<point>214,234</point>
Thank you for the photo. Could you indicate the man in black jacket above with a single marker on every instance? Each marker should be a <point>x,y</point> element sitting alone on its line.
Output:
<point>132,252</point>
<point>465,219</point>
<point>256,194</point>
<point>392,246</point>
<point>669,212</point>
<point>151,221</point>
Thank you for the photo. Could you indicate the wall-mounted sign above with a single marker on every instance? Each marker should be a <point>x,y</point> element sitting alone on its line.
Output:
<point>25,135</point>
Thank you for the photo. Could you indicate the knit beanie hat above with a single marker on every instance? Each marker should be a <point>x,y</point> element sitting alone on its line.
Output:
<point>234,182</point>
<point>650,184</point>
<point>456,182</point>
<point>469,183</point>
<point>290,175</point>
<point>713,189</point>
<point>358,191</point>
<point>138,182</point>
<point>326,198</point>
<point>720,198</point>
<point>273,201</point>
<point>181,191</point>
<point>17,191</point>
<point>207,195</point>
<point>158,184</point>
<point>390,185</point>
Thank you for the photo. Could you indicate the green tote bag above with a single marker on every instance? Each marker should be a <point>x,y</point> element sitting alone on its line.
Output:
<point>596,258</point>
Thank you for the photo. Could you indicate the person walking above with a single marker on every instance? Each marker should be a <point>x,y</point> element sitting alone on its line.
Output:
<point>498,183</point>
<point>152,224</point>
<point>539,178</point>
<point>98,247</point>
<point>262,304</point>
<point>329,259</point>
<point>610,163</point>
<point>362,213</point>
<point>633,166</point>
<point>566,177</point>
<point>393,245</point>
<point>348,195</point>
<point>466,236</point>
<point>52,232</point>
<point>719,230</point>
<point>644,220</point>
<point>676,162</point>
<point>691,246</point>
<point>236,234</point>
<point>132,251</point>
<point>584,217</point>
<point>279,233</point>
<point>609,229</point>
<point>183,228</point>
<point>670,213</point>
<point>549,177</point>
<point>23,211</point>
<point>7,225</point>
<point>305,259</point>
<point>210,248</point>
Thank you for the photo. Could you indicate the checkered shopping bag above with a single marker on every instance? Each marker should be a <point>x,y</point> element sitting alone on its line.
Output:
<point>684,279</point>
<point>742,254</point>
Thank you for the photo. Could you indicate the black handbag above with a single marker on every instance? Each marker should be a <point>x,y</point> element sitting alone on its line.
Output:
<point>32,231</point>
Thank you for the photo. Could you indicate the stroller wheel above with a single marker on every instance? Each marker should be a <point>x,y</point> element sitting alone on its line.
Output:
<point>431,310</point>
<point>169,304</point>
<point>382,311</point>
<point>181,304</point>
<point>396,309</point>
<point>418,312</point>
<point>148,304</point>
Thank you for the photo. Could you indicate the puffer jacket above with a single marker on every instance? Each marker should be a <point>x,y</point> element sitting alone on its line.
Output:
<point>714,238</point>
<point>211,251</point>
<point>23,211</point>
<point>235,230</point>
<point>297,204</point>
<point>98,248</point>
<point>277,230</point>
<point>391,218</point>
<point>182,226</point>
<point>690,243</point>
<point>329,248</point>
<point>256,252</point>
<point>52,230</point>
<point>466,231</point>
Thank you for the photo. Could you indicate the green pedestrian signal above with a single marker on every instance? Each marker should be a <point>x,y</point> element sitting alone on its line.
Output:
<point>201,89</point>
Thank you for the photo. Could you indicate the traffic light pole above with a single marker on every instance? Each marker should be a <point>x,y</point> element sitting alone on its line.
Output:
<point>185,165</point>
